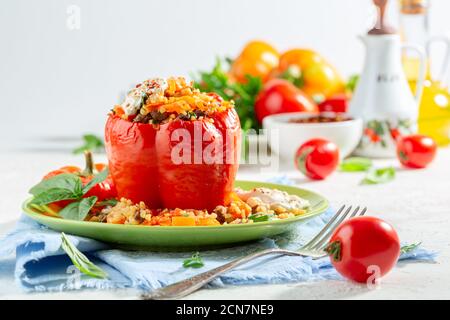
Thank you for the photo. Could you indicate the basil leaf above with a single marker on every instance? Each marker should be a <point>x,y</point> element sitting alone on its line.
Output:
<point>80,260</point>
<point>53,195</point>
<point>382,175</point>
<point>194,262</point>
<point>44,209</point>
<point>96,180</point>
<point>355,164</point>
<point>78,210</point>
<point>259,217</point>
<point>108,202</point>
<point>66,181</point>
<point>91,143</point>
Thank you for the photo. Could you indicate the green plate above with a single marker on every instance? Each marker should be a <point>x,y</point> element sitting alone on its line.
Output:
<point>183,237</point>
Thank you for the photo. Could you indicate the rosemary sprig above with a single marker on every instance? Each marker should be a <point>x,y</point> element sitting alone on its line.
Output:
<point>410,247</point>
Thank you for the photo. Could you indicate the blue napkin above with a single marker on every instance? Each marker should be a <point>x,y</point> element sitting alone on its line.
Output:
<point>41,265</point>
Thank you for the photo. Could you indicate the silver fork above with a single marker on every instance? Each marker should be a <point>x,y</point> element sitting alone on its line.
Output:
<point>314,248</point>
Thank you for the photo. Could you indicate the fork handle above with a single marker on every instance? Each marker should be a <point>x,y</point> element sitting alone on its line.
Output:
<point>185,287</point>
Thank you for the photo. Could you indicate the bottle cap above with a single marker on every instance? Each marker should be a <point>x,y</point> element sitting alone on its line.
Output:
<point>380,27</point>
<point>414,6</point>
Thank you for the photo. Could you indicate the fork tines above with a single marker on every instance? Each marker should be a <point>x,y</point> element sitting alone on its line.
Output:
<point>320,241</point>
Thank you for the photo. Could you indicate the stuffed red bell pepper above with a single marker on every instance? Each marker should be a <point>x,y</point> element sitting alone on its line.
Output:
<point>172,146</point>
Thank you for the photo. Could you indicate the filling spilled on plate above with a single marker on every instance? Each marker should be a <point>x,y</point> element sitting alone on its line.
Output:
<point>256,205</point>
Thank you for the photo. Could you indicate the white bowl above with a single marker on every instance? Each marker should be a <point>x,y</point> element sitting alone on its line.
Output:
<point>345,134</point>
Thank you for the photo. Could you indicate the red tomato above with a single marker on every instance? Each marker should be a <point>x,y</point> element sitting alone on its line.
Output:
<point>317,158</point>
<point>281,96</point>
<point>363,243</point>
<point>416,151</point>
<point>337,103</point>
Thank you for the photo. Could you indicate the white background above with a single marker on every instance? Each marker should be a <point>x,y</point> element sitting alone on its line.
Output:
<point>57,83</point>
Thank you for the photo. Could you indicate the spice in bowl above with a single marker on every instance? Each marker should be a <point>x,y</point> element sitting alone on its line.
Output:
<point>322,118</point>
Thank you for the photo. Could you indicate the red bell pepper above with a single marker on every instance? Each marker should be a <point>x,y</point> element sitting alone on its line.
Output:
<point>143,168</point>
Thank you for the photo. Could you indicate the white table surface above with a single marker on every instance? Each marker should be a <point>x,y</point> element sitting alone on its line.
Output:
<point>417,203</point>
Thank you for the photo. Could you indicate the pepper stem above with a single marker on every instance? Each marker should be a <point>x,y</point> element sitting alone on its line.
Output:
<point>334,250</point>
<point>89,162</point>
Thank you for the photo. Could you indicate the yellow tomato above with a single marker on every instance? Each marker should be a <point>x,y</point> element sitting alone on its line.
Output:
<point>300,58</point>
<point>322,79</point>
<point>257,59</point>
<point>316,75</point>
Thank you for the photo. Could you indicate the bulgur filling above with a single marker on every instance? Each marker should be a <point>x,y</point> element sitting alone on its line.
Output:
<point>257,205</point>
<point>160,100</point>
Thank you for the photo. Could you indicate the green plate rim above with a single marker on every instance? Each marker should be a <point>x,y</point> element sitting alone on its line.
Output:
<point>318,209</point>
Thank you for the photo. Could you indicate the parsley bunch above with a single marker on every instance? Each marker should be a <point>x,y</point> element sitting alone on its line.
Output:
<point>243,94</point>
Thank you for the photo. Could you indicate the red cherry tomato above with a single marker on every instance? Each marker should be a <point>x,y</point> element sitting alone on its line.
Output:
<point>416,151</point>
<point>281,96</point>
<point>337,103</point>
<point>317,158</point>
<point>362,247</point>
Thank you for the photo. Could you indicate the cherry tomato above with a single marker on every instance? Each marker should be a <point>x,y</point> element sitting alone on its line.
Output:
<point>416,151</point>
<point>317,158</point>
<point>362,247</point>
<point>337,103</point>
<point>257,59</point>
<point>281,96</point>
<point>316,75</point>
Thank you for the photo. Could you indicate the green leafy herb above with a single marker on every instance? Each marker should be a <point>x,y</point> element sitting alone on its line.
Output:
<point>352,82</point>
<point>80,260</point>
<point>194,262</point>
<point>66,181</point>
<point>91,143</point>
<point>409,248</point>
<point>294,75</point>
<point>53,195</point>
<point>78,210</point>
<point>108,202</point>
<point>259,217</point>
<point>381,175</point>
<point>244,94</point>
<point>44,209</point>
<point>67,186</point>
<point>355,164</point>
<point>96,180</point>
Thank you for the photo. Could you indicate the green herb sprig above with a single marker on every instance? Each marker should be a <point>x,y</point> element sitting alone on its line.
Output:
<point>243,94</point>
<point>355,164</point>
<point>91,142</point>
<point>67,186</point>
<point>410,247</point>
<point>194,262</point>
<point>259,217</point>
<point>373,175</point>
<point>80,260</point>
<point>380,175</point>
<point>352,83</point>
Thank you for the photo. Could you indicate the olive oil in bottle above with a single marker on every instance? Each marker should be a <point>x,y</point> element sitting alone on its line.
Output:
<point>434,110</point>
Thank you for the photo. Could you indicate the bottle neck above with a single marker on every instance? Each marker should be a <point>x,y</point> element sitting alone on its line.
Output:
<point>414,29</point>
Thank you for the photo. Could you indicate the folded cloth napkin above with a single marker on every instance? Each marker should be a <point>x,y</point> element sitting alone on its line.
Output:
<point>41,264</point>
